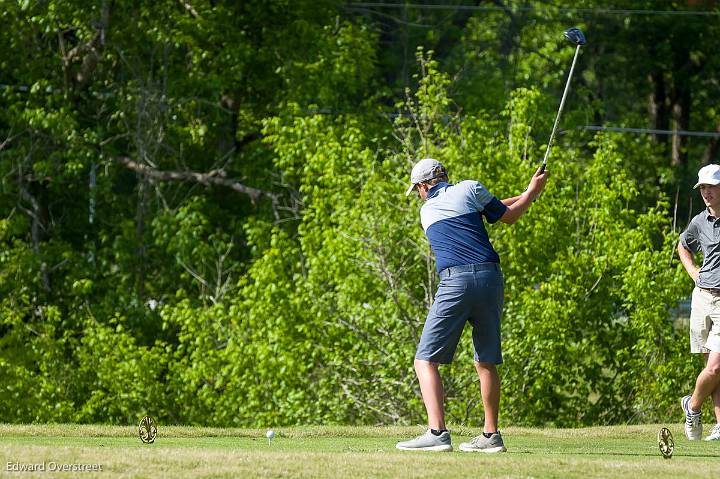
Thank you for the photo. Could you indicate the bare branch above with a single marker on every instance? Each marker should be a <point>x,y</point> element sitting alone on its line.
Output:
<point>6,142</point>
<point>189,8</point>
<point>194,274</point>
<point>214,177</point>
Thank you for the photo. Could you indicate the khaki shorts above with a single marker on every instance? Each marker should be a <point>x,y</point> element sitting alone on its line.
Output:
<point>705,322</point>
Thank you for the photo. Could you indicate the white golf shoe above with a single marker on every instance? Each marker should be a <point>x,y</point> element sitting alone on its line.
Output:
<point>714,433</point>
<point>427,442</point>
<point>481,443</point>
<point>693,423</point>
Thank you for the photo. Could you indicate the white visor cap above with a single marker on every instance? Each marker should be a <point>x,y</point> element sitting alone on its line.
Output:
<point>425,170</point>
<point>708,175</point>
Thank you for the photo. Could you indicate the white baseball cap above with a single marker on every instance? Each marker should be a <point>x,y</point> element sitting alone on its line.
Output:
<point>425,170</point>
<point>708,175</point>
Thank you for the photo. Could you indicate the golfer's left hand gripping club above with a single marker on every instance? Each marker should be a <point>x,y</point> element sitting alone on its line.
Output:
<point>577,37</point>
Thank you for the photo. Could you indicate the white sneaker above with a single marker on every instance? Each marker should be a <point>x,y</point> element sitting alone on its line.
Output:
<point>427,442</point>
<point>714,433</point>
<point>481,443</point>
<point>693,424</point>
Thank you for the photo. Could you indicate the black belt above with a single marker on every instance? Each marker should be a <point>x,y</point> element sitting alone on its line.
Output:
<point>713,291</point>
<point>470,268</point>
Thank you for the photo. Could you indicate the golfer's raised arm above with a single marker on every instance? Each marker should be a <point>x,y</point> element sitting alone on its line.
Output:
<point>510,201</point>
<point>518,205</point>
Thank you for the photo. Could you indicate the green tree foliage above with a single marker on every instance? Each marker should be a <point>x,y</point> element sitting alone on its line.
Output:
<point>202,214</point>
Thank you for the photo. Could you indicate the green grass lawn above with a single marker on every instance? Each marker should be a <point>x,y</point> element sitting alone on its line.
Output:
<point>350,452</point>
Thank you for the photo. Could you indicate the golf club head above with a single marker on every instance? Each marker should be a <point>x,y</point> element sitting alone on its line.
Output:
<point>575,35</point>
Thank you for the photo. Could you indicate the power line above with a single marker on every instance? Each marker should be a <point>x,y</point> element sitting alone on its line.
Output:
<point>325,111</point>
<point>706,134</point>
<point>591,11</point>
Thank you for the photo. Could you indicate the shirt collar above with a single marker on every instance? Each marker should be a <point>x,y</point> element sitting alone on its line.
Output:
<point>435,189</point>
<point>709,216</point>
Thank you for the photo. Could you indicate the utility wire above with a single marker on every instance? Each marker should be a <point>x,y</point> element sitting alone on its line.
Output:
<point>592,11</point>
<point>650,131</point>
<point>323,111</point>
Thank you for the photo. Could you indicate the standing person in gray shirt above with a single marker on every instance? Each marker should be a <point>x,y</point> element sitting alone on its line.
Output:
<point>703,235</point>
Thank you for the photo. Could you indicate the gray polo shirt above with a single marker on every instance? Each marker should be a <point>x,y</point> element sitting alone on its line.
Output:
<point>703,234</point>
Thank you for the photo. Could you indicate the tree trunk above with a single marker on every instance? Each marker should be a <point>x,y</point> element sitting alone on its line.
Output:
<point>680,122</point>
<point>657,106</point>
<point>140,234</point>
<point>710,155</point>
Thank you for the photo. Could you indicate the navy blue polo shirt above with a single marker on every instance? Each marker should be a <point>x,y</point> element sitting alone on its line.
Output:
<point>452,218</point>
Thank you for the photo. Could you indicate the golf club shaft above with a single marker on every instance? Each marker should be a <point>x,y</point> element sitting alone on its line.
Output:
<point>562,103</point>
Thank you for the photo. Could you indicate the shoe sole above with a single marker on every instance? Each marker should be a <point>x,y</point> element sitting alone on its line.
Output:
<point>444,448</point>
<point>487,450</point>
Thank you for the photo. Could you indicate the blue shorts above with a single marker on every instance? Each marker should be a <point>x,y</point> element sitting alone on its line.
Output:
<point>471,293</point>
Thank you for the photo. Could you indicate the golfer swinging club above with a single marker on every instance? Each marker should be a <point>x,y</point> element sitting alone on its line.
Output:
<point>470,290</point>
<point>703,234</point>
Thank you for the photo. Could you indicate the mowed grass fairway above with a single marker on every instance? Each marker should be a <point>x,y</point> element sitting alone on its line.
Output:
<point>352,452</point>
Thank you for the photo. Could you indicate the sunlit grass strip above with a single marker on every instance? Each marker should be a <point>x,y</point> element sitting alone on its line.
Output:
<point>95,430</point>
<point>354,452</point>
